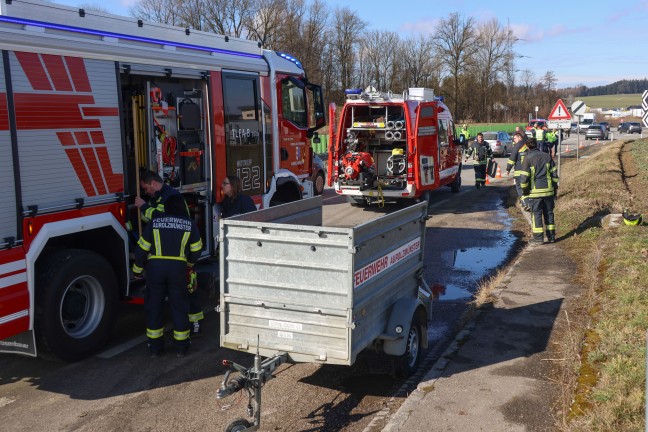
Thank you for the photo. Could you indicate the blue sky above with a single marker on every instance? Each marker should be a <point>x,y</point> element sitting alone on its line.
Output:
<point>593,45</point>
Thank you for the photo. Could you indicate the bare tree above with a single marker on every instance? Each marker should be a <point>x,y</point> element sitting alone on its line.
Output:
<point>345,39</point>
<point>419,67</point>
<point>159,11</point>
<point>455,41</point>
<point>379,51</point>
<point>492,57</point>
<point>266,23</point>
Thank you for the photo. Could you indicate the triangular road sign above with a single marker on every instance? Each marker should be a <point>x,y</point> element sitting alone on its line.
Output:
<point>559,112</point>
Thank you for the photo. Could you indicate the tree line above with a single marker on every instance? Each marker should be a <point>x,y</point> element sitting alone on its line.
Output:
<point>471,63</point>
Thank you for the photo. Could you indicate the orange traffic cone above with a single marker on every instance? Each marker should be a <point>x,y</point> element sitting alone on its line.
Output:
<point>499,172</point>
<point>597,141</point>
<point>487,181</point>
<point>581,146</point>
<point>567,151</point>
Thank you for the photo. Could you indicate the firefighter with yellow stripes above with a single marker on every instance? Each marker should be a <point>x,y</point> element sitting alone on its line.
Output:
<point>480,151</point>
<point>168,245</point>
<point>153,185</point>
<point>515,162</point>
<point>539,182</point>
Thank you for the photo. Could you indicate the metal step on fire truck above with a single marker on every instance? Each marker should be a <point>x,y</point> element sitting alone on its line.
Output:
<point>89,99</point>
<point>393,147</point>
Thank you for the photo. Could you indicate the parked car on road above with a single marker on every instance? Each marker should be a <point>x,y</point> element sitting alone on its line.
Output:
<point>318,175</point>
<point>634,127</point>
<point>596,131</point>
<point>500,142</point>
<point>622,127</point>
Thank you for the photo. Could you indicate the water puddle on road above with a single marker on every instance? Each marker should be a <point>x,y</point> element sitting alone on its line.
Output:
<point>456,273</point>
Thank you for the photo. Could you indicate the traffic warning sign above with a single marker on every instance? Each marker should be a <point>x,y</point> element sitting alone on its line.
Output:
<point>559,112</point>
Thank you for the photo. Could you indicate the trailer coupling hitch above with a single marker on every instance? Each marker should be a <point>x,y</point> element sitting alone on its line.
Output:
<point>251,380</point>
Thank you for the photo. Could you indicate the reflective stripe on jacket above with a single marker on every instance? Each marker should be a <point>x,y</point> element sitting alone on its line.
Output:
<point>517,156</point>
<point>538,175</point>
<point>169,237</point>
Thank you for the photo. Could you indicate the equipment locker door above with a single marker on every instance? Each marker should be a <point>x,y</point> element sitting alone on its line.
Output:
<point>426,172</point>
<point>14,293</point>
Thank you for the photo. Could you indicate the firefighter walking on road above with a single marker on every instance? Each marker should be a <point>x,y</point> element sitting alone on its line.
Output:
<point>481,152</point>
<point>539,181</point>
<point>168,244</point>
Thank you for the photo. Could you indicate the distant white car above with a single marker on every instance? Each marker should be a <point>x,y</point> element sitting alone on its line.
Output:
<point>500,142</point>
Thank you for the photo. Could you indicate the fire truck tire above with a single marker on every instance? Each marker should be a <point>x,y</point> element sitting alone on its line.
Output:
<point>456,183</point>
<point>318,185</point>
<point>76,303</point>
<point>238,425</point>
<point>406,364</point>
<point>357,202</point>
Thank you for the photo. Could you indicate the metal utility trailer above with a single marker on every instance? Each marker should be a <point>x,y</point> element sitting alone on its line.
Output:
<point>293,290</point>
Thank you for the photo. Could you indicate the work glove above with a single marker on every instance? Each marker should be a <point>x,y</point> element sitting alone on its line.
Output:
<point>137,273</point>
<point>192,280</point>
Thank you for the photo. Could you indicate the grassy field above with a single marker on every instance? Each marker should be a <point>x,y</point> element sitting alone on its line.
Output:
<point>611,101</point>
<point>603,353</point>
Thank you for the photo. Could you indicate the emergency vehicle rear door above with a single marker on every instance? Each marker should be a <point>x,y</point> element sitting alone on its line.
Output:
<point>425,173</point>
<point>15,335</point>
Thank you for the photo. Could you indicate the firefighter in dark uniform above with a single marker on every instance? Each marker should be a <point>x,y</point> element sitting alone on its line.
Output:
<point>168,244</point>
<point>515,162</point>
<point>481,152</point>
<point>159,192</point>
<point>153,185</point>
<point>539,181</point>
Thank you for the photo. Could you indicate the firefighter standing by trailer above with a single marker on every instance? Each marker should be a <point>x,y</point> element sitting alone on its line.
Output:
<point>480,152</point>
<point>171,242</point>
<point>539,181</point>
<point>515,162</point>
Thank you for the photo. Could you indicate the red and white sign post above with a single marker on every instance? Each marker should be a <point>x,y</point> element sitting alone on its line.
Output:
<point>560,118</point>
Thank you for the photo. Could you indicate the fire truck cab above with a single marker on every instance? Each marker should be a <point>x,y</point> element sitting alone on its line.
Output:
<point>394,147</point>
<point>87,101</point>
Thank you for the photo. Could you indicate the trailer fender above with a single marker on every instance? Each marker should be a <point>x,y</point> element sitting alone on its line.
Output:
<point>403,313</point>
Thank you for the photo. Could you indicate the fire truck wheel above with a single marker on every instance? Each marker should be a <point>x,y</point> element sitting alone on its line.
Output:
<point>319,183</point>
<point>76,303</point>
<point>456,183</point>
<point>406,364</point>
<point>238,425</point>
<point>357,202</point>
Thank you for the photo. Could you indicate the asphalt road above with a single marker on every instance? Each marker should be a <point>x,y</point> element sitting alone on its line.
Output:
<point>468,238</point>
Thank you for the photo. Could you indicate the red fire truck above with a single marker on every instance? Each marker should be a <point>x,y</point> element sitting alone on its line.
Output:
<point>87,100</point>
<point>393,147</point>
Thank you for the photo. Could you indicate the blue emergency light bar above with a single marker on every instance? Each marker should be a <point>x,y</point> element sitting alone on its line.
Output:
<point>353,91</point>
<point>290,58</point>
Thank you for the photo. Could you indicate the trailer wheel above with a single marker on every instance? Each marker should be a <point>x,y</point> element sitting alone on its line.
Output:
<point>238,425</point>
<point>76,303</point>
<point>406,364</point>
<point>456,183</point>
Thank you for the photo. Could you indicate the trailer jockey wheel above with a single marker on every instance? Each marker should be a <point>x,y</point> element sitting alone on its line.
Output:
<point>238,425</point>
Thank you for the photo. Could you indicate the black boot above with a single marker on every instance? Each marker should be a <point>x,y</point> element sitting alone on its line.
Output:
<point>551,236</point>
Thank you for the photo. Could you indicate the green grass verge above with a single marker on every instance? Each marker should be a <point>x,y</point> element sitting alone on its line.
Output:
<point>612,101</point>
<point>609,368</point>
